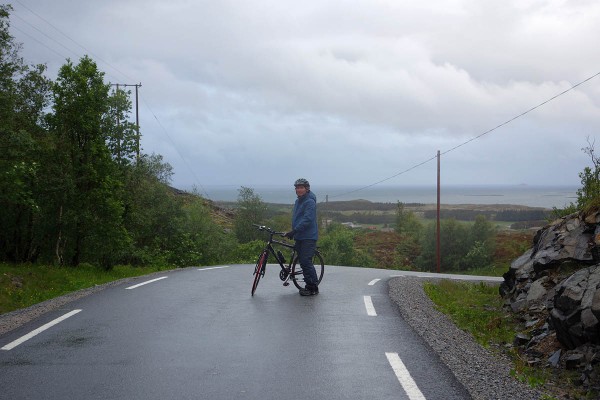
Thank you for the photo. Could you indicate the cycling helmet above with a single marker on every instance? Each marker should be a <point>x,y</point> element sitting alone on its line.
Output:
<point>302,182</point>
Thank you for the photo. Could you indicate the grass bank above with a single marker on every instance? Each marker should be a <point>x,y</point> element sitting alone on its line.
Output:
<point>477,308</point>
<point>25,285</point>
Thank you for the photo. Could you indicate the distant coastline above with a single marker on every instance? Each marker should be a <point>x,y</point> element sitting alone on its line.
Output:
<point>522,195</point>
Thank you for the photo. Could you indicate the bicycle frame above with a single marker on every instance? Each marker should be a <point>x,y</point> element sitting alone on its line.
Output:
<point>285,273</point>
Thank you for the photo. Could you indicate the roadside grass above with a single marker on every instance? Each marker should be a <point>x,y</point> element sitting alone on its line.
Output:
<point>475,308</point>
<point>488,270</point>
<point>25,285</point>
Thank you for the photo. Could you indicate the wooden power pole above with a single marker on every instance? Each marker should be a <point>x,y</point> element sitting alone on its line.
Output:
<point>437,233</point>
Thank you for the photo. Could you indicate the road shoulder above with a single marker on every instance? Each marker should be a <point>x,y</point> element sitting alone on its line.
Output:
<point>483,374</point>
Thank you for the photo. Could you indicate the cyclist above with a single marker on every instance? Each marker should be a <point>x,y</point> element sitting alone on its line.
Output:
<point>305,233</point>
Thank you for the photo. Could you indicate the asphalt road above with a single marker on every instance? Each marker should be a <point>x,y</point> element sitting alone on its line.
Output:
<point>197,333</point>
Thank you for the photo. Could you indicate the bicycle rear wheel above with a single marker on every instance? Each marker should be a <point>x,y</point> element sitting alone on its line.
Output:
<point>259,270</point>
<point>298,277</point>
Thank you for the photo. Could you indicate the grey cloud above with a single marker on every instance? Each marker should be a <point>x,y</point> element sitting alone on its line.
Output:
<point>357,93</point>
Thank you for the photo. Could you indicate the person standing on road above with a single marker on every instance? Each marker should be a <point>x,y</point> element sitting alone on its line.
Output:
<point>305,232</point>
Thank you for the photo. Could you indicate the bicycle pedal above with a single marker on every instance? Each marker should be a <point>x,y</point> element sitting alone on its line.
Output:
<point>286,284</point>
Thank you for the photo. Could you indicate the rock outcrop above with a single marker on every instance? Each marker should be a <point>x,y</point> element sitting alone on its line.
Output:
<point>555,287</point>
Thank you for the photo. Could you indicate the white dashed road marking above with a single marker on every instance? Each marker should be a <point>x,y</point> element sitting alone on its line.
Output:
<point>145,283</point>
<point>369,306</point>
<point>39,330</point>
<point>408,384</point>
<point>374,281</point>
<point>206,269</point>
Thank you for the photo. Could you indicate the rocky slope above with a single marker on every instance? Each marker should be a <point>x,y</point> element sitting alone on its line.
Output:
<point>555,289</point>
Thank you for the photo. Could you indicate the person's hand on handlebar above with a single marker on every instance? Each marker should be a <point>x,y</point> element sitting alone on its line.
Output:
<point>290,234</point>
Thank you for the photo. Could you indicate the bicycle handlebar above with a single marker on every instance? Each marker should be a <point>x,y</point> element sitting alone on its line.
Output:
<point>266,228</point>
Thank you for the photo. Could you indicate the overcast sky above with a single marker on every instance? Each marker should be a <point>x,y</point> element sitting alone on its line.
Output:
<point>342,92</point>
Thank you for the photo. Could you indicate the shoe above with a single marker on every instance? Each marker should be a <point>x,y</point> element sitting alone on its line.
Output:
<point>309,290</point>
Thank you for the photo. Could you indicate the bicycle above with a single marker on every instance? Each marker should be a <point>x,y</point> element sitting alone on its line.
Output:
<point>290,271</point>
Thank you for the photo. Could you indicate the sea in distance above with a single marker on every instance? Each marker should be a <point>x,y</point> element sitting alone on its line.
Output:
<point>523,195</point>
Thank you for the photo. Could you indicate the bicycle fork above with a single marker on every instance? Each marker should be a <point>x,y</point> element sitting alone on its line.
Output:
<point>262,264</point>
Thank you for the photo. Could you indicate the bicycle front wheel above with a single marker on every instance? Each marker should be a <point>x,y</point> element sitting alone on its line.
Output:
<point>259,270</point>
<point>298,277</point>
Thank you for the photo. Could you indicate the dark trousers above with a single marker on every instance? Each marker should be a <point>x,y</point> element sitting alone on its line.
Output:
<point>306,251</point>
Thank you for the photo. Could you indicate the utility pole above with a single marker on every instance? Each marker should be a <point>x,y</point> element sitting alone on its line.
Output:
<point>327,208</point>
<point>437,239</point>
<point>137,115</point>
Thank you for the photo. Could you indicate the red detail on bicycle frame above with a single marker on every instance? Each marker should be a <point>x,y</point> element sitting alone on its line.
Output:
<point>263,259</point>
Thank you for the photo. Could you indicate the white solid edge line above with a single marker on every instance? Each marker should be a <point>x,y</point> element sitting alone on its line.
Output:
<point>374,281</point>
<point>206,269</point>
<point>147,282</point>
<point>408,384</point>
<point>369,306</point>
<point>42,328</point>
<point>454,277</point>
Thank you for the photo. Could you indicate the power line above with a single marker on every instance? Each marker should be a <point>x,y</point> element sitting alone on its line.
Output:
<point>474,138</point>
<point>386,179</point>
<point>106,63</point>
<point>40,42</point>
<point>176,149</point>
<point>45,34</point>
<point>72,40</point>
<point>523,113</point>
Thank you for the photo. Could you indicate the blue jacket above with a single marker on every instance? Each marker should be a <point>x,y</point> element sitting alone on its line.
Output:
<point>304,217</point>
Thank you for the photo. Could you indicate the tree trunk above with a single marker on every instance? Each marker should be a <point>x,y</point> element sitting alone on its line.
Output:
<point>58,250</point>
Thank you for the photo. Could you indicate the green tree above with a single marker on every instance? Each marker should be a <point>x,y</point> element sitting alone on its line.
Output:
<point>454,245</point>
<point>337,244</point>
<point>24,95</point>
<point>208,243</point>
<point>461,247</point>
<point>152,211</point>
<point>411,230</point>
<point>121,134</point>
<point>250,210</point>
<point>281,222</point>
<point>71,185</point>
<point>589,192</point>
<point>90,208</point>
<point>407,222</point>
<point>482,244</point>
<point>590,179</point>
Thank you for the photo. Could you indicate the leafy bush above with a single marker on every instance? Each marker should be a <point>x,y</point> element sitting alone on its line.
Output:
<point>247,253</point>
<point>250,210</point>
<point>338,244</point>
<point>589,194</point>
<point>462,247</point>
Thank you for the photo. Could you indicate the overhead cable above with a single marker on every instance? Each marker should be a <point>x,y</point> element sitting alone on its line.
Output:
<point>106,63</point>
<point>176,149</point>
<point>72,40</point>
<point>473,138</point>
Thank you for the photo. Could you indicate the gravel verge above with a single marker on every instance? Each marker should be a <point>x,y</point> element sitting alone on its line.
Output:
<point>483,374</point>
